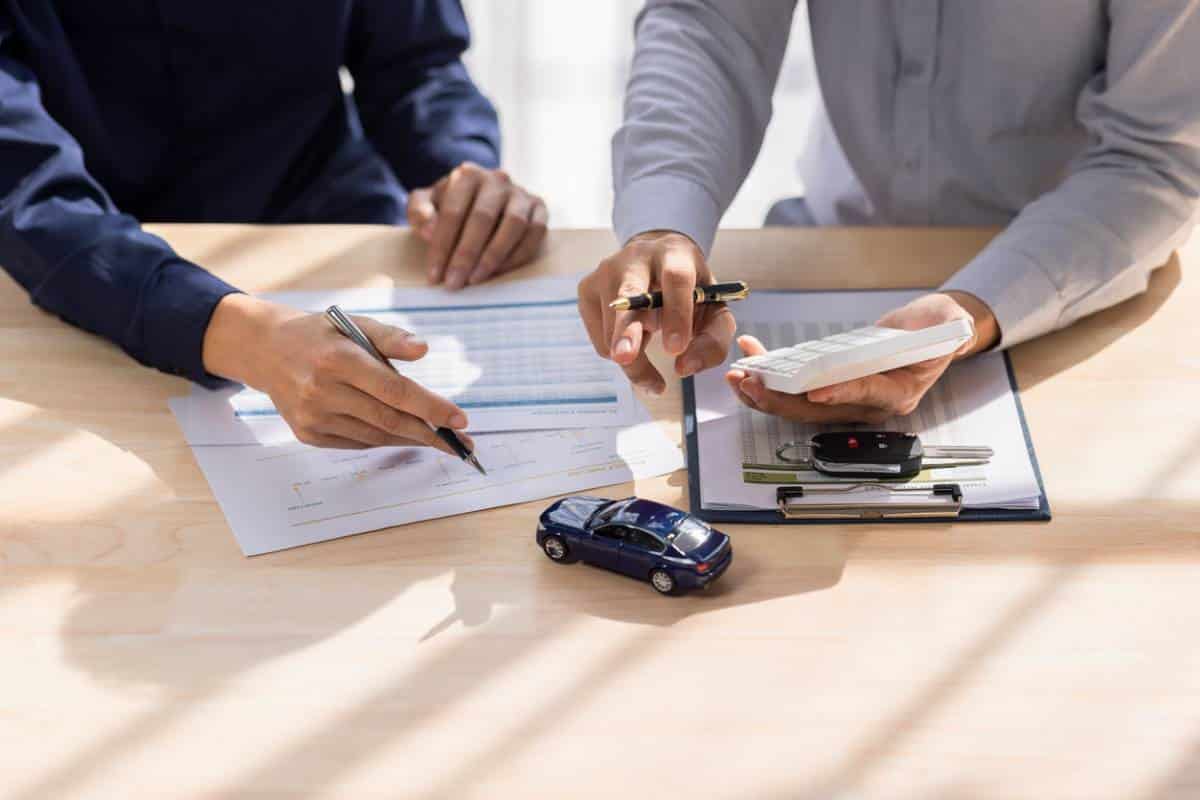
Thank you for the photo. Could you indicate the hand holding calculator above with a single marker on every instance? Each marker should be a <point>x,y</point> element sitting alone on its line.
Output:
<point>853,354</point>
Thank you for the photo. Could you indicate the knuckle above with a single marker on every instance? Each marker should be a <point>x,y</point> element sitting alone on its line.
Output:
<point>326,360</point>
<point>308,391</point>
<point>484,214</point>
<point>677,276</point>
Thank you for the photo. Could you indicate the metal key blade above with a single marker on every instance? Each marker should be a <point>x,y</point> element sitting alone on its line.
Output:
<point>958,451</point>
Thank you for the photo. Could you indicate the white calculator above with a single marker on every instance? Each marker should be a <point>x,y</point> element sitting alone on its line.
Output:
<point>853,354</point>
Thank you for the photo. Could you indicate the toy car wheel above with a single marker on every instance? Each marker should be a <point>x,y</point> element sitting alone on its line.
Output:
<point>662,581</point>
<point>556,549</point>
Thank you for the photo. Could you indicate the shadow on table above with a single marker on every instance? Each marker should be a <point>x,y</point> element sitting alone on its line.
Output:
<point>198,666</point>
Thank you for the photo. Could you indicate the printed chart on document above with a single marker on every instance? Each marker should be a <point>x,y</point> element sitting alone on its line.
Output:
<point>278,496</point>
<point>547,414</point>
<point>511,362</point>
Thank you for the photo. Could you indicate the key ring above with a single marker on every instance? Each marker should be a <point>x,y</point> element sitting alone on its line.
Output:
<point>782,450</point>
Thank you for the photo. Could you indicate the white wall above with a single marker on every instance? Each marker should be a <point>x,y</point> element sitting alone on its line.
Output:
<point>556,71</point>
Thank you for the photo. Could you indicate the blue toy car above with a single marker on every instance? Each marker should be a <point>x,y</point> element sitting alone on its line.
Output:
<point>671,549</point>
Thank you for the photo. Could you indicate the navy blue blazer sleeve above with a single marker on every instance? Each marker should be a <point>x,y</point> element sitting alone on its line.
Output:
<point>418,105</point>
<point>65,242</point>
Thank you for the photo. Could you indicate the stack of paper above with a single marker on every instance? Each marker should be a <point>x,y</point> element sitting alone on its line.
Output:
<point>972,404</point>
<point>548,417</point>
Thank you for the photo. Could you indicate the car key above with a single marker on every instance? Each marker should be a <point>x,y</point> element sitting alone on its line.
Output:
<point>877,454</point>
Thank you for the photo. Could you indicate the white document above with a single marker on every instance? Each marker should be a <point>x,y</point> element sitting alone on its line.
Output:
<point>286,495</point>
<point>514,356</point>
<point>972,404</point>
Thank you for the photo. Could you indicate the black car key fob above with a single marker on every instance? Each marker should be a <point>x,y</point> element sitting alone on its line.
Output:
<point>883,454</point>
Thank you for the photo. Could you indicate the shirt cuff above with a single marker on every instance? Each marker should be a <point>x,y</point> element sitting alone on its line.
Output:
<point>178,306</point>
<point>1025,301</point>
<point>667,203</point>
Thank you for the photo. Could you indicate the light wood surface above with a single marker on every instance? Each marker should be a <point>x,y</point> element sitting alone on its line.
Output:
<point>143,656</point>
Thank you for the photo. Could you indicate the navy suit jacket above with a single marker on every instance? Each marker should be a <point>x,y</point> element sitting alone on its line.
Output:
<point>224,110</point>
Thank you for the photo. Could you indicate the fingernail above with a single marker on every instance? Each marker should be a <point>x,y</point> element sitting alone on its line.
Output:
<point>675,343</point>
<point>458,421</point>
<point>624,346</point>
<point>690,365</point>
<point>417,341</point>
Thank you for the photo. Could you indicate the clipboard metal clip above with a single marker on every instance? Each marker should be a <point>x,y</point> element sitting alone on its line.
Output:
<point>941,501</point>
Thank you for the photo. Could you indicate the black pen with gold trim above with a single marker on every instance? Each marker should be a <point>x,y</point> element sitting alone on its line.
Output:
<point>715,293</point>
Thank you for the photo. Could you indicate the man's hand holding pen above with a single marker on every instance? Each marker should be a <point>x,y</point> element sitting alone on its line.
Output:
<point>329,390</point>
<point>698,336</point>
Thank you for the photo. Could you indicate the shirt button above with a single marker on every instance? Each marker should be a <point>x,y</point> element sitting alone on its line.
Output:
<point>913,68</point>
<point>912,163</point>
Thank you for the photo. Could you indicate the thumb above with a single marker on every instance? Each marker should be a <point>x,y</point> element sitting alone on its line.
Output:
<point>422,214</point>
<point>392,341</point>
<point>751,346</point>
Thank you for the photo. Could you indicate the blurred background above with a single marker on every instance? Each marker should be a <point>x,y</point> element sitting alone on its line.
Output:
<point>556,72</point>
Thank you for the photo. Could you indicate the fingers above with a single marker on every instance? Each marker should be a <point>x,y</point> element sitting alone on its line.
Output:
<point>400,393</point>
<point>642,374</point>
<point>710,345</point>
<point>453,196</point>
<point>751,346</point>
<point>362,418</point>
<point>535,234</point>
<point>898,392</point>
<point>677,276</point>
<point>513,224</point>
<point>799,408</point>
<point>480,222</point>
<point>393,342</point>
<point>622,329</point>
<point>421,213</point>
<point>879,391</point>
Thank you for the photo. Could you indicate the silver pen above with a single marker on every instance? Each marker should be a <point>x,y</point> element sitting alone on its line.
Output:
<point>342,322</point>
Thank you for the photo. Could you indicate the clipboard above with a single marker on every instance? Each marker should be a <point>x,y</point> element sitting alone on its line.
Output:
<point>773,517</point>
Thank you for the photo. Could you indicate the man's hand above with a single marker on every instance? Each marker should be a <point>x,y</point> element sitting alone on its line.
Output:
<point>329,390</point>
<point>698,336</point>
<point>477,223</point>
<point>874,398</point>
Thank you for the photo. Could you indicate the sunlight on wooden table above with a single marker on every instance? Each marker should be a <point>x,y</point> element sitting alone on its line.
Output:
<point>145,657</point>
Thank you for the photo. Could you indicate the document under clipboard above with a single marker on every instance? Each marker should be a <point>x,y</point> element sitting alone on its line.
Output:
<point>937,501</point>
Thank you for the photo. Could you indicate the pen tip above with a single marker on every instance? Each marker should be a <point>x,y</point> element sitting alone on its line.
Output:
<point>620,304</point>
<point>474,462</point>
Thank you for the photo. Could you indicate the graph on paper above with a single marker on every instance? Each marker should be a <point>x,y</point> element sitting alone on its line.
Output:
<point>511,363</point>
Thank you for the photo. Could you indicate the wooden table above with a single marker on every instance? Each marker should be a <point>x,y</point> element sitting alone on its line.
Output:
<point>143,656</point>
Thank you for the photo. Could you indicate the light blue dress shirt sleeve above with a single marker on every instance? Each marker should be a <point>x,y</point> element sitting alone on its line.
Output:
<point>696,109</point>
<point>1076,127</point>
<point>1127,201</point>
